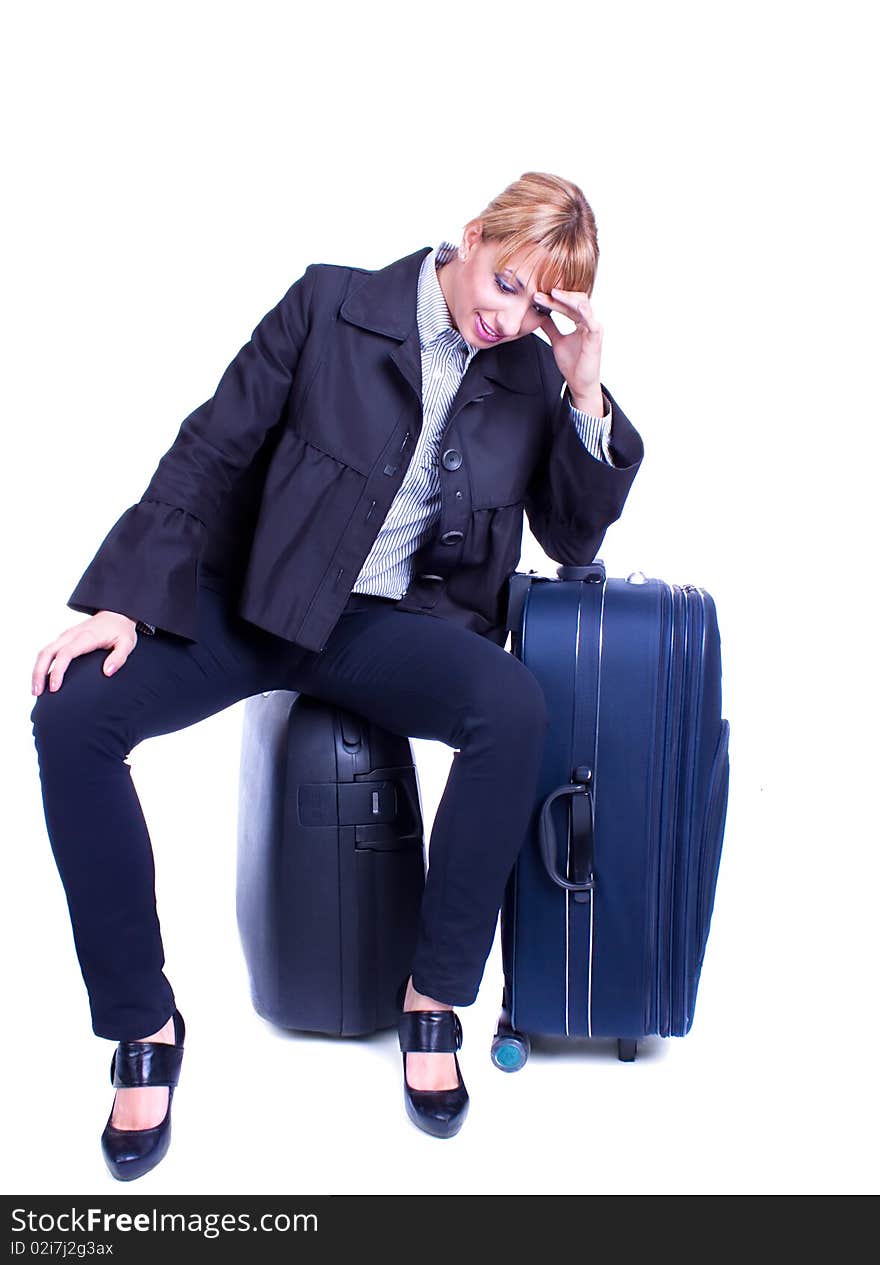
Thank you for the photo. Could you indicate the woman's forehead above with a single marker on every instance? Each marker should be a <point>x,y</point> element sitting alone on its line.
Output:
<point>527,257</point>
<point>525,266</point>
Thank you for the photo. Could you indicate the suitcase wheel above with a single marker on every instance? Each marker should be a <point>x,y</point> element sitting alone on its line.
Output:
<point>509,1052</point>
<point>626,1050</point>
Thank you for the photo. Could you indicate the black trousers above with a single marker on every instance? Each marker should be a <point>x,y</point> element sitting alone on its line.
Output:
<point>415,674</point>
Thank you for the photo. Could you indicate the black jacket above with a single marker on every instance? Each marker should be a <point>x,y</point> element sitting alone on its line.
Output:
<point>277,486</point>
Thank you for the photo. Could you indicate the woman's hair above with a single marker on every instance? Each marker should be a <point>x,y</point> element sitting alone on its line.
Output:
<point>542,210</point>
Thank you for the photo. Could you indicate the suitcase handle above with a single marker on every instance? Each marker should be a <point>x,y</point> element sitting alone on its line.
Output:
<point>582,823</point>
<point>593,573</point>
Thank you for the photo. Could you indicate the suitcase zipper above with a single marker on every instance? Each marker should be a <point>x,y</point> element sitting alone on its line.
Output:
<point>653,877</point>
<point>670,797</point>
<point>687,855</point>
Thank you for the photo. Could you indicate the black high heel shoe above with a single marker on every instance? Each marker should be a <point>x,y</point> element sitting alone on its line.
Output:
<point>440,1112</point>
<point>130,1153</point>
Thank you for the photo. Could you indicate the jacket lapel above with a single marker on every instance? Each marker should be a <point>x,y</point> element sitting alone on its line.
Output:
<point>385,302</point>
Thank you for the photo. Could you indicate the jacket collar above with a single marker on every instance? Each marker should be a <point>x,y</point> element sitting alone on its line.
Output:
<point>385,302</point>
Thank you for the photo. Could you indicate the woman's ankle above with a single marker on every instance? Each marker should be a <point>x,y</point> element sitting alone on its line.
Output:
<point>165,1034</point>
<point>414,1000</point>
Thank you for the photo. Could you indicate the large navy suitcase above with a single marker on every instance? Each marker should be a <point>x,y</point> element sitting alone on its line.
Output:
<point>606,913</point>
<point>330,867</point>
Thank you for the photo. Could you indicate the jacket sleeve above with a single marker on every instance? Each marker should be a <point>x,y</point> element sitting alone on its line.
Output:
<point>147,565</point>
<point>572,496</point>
<point>594,432</point>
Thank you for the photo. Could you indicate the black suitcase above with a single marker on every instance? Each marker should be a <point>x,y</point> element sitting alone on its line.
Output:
<point>330,866</point>
<point>606,913</point>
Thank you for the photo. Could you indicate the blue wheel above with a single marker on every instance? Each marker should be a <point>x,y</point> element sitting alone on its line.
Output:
<point>509,1053</point>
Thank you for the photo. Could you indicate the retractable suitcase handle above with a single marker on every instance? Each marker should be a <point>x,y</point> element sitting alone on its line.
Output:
<point>517,588</point>
<point>519,581</point>
<point>582,831</point>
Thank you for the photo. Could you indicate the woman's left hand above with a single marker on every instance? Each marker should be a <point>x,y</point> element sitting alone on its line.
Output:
<point>577,354</point>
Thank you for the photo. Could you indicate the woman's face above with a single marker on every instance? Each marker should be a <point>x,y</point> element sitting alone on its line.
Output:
<point>479,295</point>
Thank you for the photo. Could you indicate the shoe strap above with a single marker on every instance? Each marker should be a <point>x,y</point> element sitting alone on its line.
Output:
<point>138,1063</point>
<point>429,1031</point>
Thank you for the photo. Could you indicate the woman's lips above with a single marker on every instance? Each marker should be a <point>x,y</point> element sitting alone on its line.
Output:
<point>484,331</point>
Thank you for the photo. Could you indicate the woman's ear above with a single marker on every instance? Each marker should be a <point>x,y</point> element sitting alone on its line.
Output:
<point>472,236</point>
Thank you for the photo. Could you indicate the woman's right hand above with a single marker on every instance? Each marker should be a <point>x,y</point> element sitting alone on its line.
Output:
<point>105,630</point>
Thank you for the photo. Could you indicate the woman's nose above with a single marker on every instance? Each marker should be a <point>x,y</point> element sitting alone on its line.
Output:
<point>511,320</point>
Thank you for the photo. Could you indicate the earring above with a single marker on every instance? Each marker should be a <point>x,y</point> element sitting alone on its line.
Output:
<point>461,254</point>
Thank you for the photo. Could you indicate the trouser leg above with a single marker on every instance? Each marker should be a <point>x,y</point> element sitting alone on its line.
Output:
<point>83,734</point>
<point>424,677</point>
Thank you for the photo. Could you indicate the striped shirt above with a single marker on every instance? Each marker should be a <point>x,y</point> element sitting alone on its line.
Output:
<point>415,509</point>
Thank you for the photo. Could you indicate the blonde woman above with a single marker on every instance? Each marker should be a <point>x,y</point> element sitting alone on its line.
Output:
<point>341,519</point>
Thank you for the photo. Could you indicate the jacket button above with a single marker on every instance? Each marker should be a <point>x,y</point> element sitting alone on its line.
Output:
<point>428,576</point>
<point>451,537</point>
<point>451,459</point>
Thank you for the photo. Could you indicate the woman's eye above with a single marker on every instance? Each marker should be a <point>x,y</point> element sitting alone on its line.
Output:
<point>506,289</point>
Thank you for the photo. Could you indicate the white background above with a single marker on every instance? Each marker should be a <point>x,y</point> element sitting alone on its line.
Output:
<point>170,169</point>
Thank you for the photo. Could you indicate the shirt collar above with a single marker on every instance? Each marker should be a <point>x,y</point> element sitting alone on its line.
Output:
<point>432,315</point>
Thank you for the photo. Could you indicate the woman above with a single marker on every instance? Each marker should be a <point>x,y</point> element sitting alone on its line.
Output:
<point>341,519</point>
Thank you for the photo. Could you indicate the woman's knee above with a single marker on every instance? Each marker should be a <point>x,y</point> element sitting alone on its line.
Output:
<point>63,719</point>
<point>512,700</point>
<point>528,700</point>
